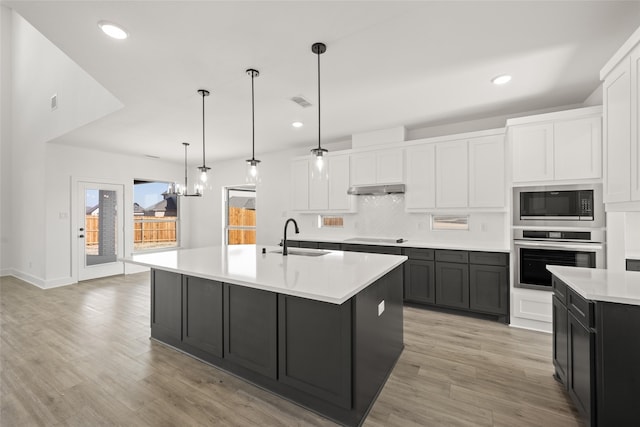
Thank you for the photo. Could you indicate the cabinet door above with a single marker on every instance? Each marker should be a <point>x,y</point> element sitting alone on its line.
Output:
<point>580,367</point>
<point>486,172</point>
<point>419,281</point>
<point>532,152</point>
<point>635,125</point>
<point>452,285</point>
<point>251,329</point>
<point>363,168</point>
<point>560,339</point>
<point>577,146</point>
<point>318,187</point>
<point>421,183</point>
<point>166,306</point>
<point>300,185</point>
<point>389,166</point>
<point>617,134</point>
<point>339,183</point>
<point>452,174</point>
<point>202,314</point>
<point>488,289</point>
<point>315,348</point>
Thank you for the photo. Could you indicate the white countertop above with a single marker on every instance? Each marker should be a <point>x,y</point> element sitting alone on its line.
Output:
<point>598,284</point>
<point>407,243</point>
<point>334,277</point>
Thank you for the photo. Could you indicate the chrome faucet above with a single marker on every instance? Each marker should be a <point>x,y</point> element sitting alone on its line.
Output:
<point>284,242</point>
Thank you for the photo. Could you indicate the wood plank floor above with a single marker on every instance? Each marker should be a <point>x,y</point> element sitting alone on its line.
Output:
<point>80,355</point>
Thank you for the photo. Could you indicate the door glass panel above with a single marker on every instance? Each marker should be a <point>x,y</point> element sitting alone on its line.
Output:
<point>241,216</point>
<point>101,226</point>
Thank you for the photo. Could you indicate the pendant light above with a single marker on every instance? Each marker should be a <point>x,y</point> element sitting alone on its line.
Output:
<point>318,153</point>
<point>203,169</point>
<point>177,189</point>
<point>252,163</point>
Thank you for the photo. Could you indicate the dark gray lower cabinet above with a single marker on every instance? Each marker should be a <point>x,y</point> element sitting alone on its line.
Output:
<point>488,289</point>
<point>333,359</point>
<point>580,384</point>
<point>315,348</point>
<point>419,281</point>
<point>560,339</point>
<point>202,314</point>
<point>166,306</point>
<point>250,329</point>
<point>595,354</point>
<point>452,284</point>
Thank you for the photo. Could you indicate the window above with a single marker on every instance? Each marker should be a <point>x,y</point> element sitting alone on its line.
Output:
<point>155,216</point>
<point>240,227</point>
<point>450,222</point>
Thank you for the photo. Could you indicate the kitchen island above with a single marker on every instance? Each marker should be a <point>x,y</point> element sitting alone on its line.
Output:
<point>321,328</point>
<point>596,325</point>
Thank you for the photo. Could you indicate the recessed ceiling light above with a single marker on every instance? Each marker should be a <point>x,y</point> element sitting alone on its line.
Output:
<point>112,30</point>
<point>297,124</point>
<point>500,80</point>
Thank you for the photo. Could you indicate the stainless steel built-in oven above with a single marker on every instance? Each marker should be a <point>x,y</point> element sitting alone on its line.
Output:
<point>535,249</point>
<point>559,206</point>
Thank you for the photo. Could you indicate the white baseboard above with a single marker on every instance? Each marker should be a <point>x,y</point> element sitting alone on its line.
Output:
<point>133,269</point>
<point>532,325</point>
<point>36,281</point>
<point>6,272</point>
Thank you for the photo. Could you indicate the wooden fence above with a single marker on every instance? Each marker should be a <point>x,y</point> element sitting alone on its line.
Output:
<point>149,230</point>
<point>242,217</point>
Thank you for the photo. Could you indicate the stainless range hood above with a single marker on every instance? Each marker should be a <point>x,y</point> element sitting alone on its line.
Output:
<point>376,190</point>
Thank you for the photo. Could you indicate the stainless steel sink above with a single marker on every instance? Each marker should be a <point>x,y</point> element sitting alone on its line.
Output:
<point>295,251</point>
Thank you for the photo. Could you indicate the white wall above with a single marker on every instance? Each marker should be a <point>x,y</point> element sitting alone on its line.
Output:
<point>5,141</point>
<point>66,165</point>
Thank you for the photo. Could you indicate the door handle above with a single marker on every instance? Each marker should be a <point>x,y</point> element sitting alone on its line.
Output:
<point>81,228</point>
<point>81,236</point>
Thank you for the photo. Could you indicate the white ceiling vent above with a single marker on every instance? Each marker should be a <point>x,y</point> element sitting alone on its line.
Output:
<point>54,101</point>
<point>301,101</point>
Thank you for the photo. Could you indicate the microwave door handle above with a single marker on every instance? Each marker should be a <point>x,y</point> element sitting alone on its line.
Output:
<point>559,245</point>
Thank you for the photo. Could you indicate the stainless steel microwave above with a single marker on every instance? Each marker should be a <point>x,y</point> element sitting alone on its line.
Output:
<point>559,205</point>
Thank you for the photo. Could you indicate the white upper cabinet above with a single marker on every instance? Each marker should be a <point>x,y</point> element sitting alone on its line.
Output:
<point>377,167</point>
<point>421,182</point>
<point>621,127</point>
<point>466,173</point>
<point>339,183</point>
<point>300,185</point>
<point>563,146</point>
<point>532,152</point>
<point>452,174</point>
<point>487,185</point>
<point>321,191</point>
<point>578,148</point>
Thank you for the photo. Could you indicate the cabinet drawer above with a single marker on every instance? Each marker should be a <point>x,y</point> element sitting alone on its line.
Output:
<point>559,289</point>
<point>580,307</point>
<point>308,245</point>
<point>488,258</point>
<point>452,256</point>
<point>374,249</point>
<point>420,253</point>
<point>329,245</point>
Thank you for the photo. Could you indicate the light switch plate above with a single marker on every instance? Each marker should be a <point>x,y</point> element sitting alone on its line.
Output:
<point>381,308</point>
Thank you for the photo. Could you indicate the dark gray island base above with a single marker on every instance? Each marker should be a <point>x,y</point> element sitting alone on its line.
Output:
<point>332,359</point>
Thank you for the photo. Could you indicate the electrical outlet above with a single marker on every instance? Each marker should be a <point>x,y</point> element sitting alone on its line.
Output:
<point>483,227</point>
<point>381,308</point>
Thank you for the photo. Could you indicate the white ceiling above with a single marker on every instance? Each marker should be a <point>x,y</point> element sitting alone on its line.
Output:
<point>416,63</point>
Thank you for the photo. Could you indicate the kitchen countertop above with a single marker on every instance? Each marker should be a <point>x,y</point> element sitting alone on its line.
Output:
<point>334,277</point>
<point>598,284</point>
<point>405,244</point>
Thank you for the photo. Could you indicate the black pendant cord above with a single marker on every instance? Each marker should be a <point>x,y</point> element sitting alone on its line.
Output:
<point>203,138</point>
<point>186,144</point>
<point>318,53</point>
<point>253,122</point>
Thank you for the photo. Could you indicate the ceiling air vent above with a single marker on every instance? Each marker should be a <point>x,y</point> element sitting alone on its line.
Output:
<point>301,101</point>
